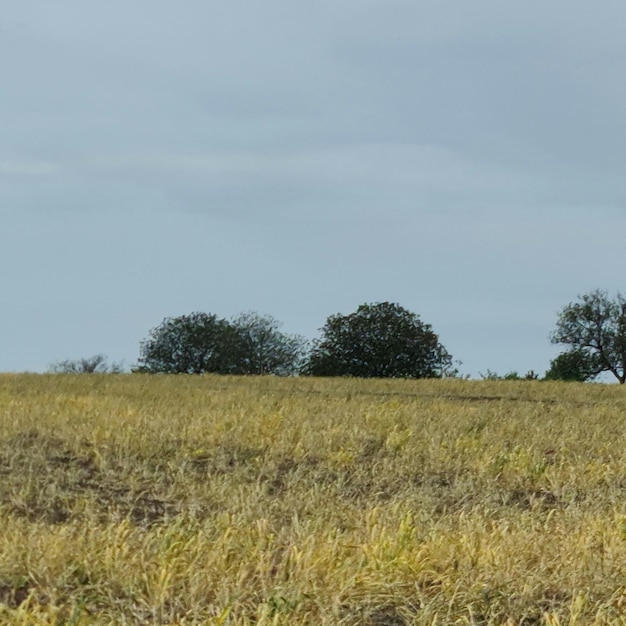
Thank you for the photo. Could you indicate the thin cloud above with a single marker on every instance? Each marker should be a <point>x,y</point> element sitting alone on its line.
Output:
<point>18,169</point>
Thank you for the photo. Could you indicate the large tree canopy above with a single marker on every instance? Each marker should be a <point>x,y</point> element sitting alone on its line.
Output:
<point>202,343</point>
<point>381,340</point>
<point>594,328</point>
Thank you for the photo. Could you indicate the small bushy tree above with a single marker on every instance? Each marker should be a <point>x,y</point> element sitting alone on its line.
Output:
<point>575,366</point>
<point>188,344</point>
<point>97,364</point>
<point>512,375</point>
<point>382,340</point>
<point>263,348</point>
<point>594,329</point>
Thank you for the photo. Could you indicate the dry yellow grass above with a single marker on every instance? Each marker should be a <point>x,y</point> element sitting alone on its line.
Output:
<point>211,500</point>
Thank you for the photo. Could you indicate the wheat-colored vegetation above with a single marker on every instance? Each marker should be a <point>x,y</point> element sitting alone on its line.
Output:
<point>210,500</point>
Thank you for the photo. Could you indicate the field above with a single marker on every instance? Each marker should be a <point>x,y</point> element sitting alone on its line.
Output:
<point>212,500</point>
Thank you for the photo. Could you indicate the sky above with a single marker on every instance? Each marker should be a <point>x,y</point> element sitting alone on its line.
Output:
<point>463,159</point>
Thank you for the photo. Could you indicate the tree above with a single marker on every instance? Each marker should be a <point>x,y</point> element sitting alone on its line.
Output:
<point>203,343</point>
<point>575,365</point>
<point>96,364</point>
<point>263,348</point>
<point>188,344</point>
<point>381,340</point>
<point>594,328</point>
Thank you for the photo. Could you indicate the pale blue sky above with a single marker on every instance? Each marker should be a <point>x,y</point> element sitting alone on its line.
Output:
<point>156,158</point>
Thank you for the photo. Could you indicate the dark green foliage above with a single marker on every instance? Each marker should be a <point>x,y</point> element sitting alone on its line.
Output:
<point>381,340</point>
<point>529,375</point>
<point>595,330</point>
<point>263,348</point>
<point>512,375</point>
<point>189,344</point>
<point>575,365</point>
<point>202,343</point>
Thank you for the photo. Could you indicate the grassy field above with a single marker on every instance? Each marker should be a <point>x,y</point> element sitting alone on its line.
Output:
<point>213,500</point>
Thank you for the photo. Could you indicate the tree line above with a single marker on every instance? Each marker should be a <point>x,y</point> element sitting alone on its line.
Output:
<point>379,340</point>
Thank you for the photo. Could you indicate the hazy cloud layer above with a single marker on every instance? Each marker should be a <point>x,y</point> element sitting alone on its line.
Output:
<point>156,158</point>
